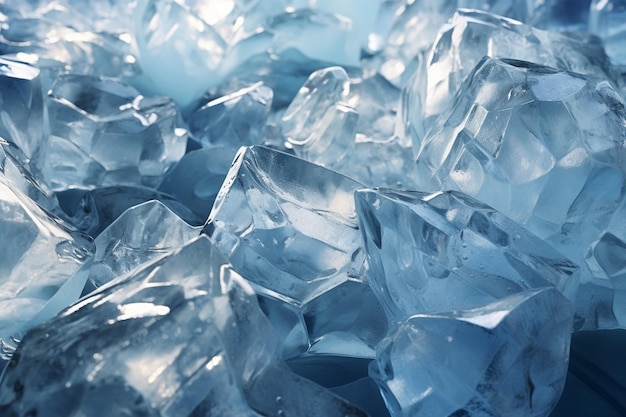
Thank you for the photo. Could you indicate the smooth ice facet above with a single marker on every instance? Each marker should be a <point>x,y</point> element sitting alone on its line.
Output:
<point>103,132</point>
<point>23,118</point>
<point>141,234</point>
<point>177,336</point>
<point>508,358</point>
<point>289,227</point>
<point>543,146</point>
<point>38,254</point>
<point>469,37</point>
<point>446,251</point>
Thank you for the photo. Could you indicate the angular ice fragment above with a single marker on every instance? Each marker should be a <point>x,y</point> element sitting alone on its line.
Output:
<point>415,24</point>
<point>141,234</point>
<point>103,132</point>
<point>60,39</point>
<point>606,19</point>
<point>92,211</point>
<point>23,116</point>
<point>180,336</point>
<point>289,227</point>
<point>236,119</point>
<point>446,251</point>
<point>38,254</point>
<point>545,147</point>
<point>508,358</point>
<point>347,124</point>
<point>469,37</point>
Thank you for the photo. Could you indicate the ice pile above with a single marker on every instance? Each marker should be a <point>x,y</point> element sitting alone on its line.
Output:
<point>311,208</point>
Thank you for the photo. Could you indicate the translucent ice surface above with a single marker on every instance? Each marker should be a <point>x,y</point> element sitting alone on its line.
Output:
<point>103,132</point>
<point>508,358</point>
<point>289,227</point>
<point>446,251</point>
<point>543,146</point>
<point>607,19</point>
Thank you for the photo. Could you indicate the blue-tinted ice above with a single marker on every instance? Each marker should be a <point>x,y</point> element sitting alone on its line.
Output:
<point>289,227</point>
<point>546,148</point>
<point>446,251</point>
<point>606,19</point>
<point>103,132</point>
<point>508,358</point>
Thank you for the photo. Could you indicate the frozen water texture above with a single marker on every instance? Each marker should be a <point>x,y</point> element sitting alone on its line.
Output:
<point>185,60</point>
<point>445,251</point>
<point>180,336</point>
<point>94,210</point>
<point>289,227</point>
<point>58,37</point>
<point>103,132</point>
<point>233,120</point>
<point>469,37</point>
<point>347,124</point>
<point>38,255</point>
<point>508,358</point>
<point>141,234</point>
<point>607,19</point>
<point>543,146</point>
<point>23,118</point>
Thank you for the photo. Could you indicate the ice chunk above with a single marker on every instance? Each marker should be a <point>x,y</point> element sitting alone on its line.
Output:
<point>236,119</point>
<point>92,211</point>
<point>347,124</point>
<point>469,37</point>
<point>545,147</point>
<point>57,39</point>
<point>446,251</point>
<point>38,254</point>
<point>289,227</point>
<point>508,358</point>
<point>141,234</point>
<point>103,132</point>
<point>24,118</point>
<point>607,20</point>
<point>176,336</point>
<point>404,39</point>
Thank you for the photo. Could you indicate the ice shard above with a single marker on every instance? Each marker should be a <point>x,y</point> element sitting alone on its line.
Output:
<point>469,37</point>
<point>347,124</point>
<point>446,251</point>
<point>289,227</point>
<point>103,132</point>
<point>24,120</point>
<point>508,358</point>
<point>38,255</point>
<point>235,119</point>
<point>543,146</point>
<point>141,234</point>
<point>179,336</point>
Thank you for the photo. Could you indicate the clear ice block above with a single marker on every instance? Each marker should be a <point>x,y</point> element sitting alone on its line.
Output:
<point>180,336</point>
<point>38,255</point>
<point>347,124</point>
<point>469,37</point>
<point>140,235</point>
<point>289,227</point>
<point>103,132</point>
<point>446,251</point>
<point>508,358</point>
<point>543,146</point>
